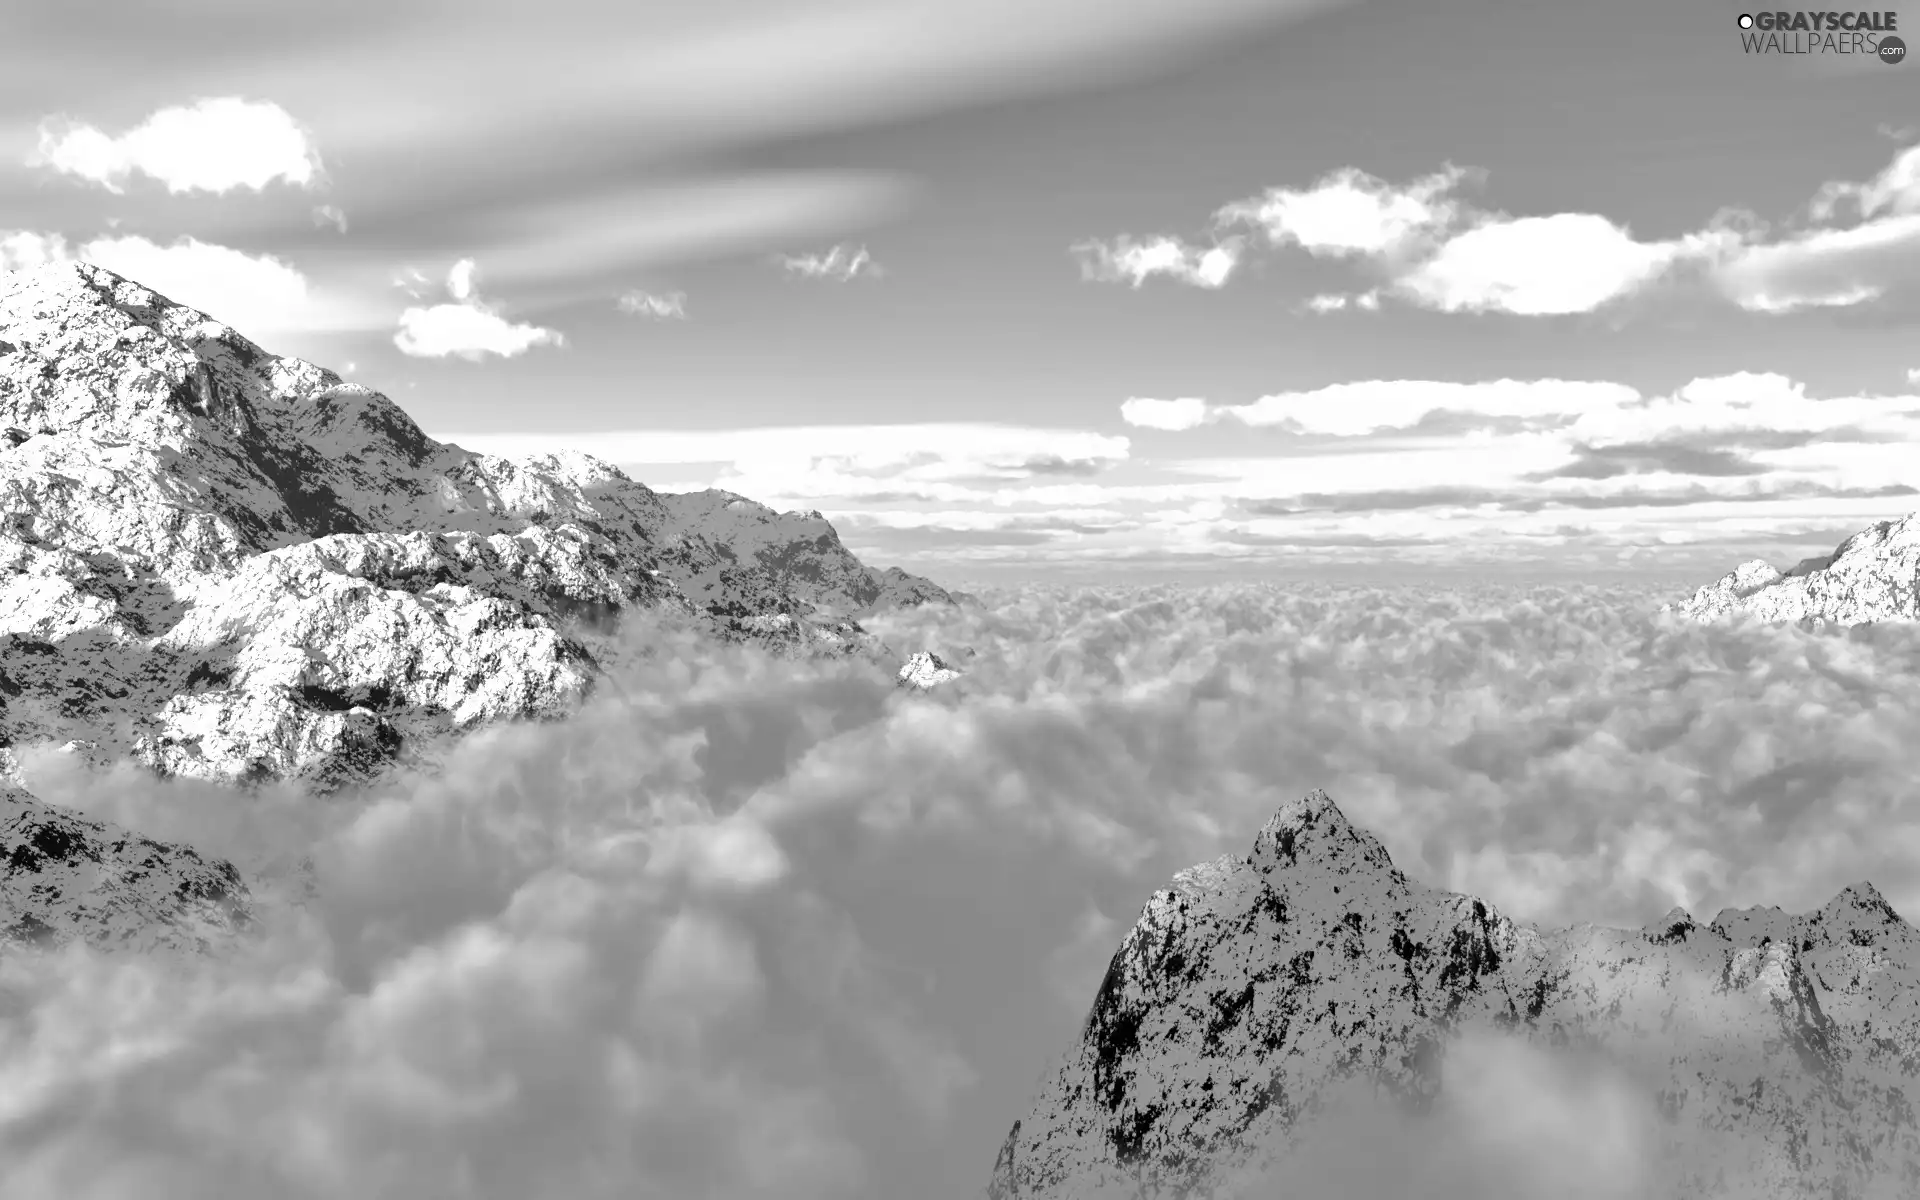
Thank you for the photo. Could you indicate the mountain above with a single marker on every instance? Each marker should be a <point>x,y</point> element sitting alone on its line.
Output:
<point>1872,576</point>
<point>925,670</point>
<point>236,566</point>
<point>63,877</point>
<point>1774,1054</point>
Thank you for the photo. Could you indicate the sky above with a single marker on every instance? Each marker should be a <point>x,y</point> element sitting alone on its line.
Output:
<point>1063,290</point>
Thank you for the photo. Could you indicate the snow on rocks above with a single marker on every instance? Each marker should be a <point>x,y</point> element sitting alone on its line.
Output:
<point>1775,1048</point>
<point>924,670</point>
<point>1872,576</point>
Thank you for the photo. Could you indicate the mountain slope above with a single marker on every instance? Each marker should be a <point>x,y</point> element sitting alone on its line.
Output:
<point>1778,1050</point>
<point>233,565</point>
<point>1872,576</point>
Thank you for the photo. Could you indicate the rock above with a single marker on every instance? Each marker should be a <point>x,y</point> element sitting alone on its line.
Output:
<point>63,877</point>
<point>925,670</point>
<point>237,566</point>
<point>1776,1047</point>
<point>1873,576</point>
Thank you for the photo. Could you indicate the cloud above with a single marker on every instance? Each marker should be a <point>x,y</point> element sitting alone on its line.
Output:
<point>330,214</point>
<point>758,928</point>
<point>795,464</point>
<point>23,249</point>
<point>1538,266</point>
<point>1427,246</point>
<point>1124,260</point>
<point>1349,212</point>
<point>648,304</point>
<point>1371,406</point>
<point>841,263</point>
<point>1327,302</point>
<point>1913,375</point>
<point>1187,412</point>
<point>468,328</point>
<point>213,145</point>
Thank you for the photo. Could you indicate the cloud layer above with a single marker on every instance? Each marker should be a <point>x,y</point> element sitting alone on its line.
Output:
<point>468,328</point>
<point>754,928</point>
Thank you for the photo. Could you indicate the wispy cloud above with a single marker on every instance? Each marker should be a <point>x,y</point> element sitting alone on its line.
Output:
<point>467,328</point>
<point>213,145</point>
<point>661,306</point>
<point>841,263</point>
<point>331,214</point>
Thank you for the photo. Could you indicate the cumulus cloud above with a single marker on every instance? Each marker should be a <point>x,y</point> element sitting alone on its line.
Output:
<point>215,145</point>
<point>1427,245</point>
<point>760,928</point>
<point>1125,260</point>
<point>467,328</point>
<point>1187,412</point>
<point>669,305</point>
<point>1350,212</point>
<point>841,263</point>
<point>23,249</point>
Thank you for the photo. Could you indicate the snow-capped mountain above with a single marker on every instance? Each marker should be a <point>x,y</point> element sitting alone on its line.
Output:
<point>924,670</point>
<point>233,565</point>
<point>1872,576</point>
<point>1774,1053</point>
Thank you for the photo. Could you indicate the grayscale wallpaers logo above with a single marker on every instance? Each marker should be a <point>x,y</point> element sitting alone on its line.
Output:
<point>1868,33</point>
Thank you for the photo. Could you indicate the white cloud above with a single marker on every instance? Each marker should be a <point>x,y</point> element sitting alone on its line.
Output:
<point>1349,212</point>
<point>1124,260</point>
<point>1913,376</point>
<point>658,305</point>
<point>22,249</point>
<point>795,464</point>
<point>331,214</point>
<point>1328,302</point>
<point>1825,268</point>
<point>1187,412</point>
<point>466,329</point>
<point>460,280</point>
<point>1375,405</point>
<point>1537,266</point>
<point>842,263</point>
<point>214,145</point>
<point>250,292</point>
<point>1895,191</point>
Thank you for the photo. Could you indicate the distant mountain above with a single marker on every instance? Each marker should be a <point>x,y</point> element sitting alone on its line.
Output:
<point>1872,576</point>
<point>1778,1051</point>
<point>234,566</point>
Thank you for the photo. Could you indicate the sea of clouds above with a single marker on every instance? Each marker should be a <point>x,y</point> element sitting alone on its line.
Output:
<point>747,927</point>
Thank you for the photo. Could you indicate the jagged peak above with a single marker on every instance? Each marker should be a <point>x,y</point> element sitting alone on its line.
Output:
<point>1858,900</point>
<point>1675,926</point>
<point>925,669</point>
<point>1313,827</point>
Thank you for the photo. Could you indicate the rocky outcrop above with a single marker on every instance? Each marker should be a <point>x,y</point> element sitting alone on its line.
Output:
<point>1873,576</point>
<point>925,670</point>
<point>63,877</point>
<point>236,566</point>
<point>1778,1051</point>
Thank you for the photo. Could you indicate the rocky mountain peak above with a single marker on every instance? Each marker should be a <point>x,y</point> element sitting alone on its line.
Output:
<point>1253,991</point>
<point>925,669</point>
<point>232,565</point>
<point>1874,575</point>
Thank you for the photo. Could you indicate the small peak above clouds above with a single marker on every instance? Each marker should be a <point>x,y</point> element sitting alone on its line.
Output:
<point>1307,1014</point>
<point>1868,578</point>
<point>925,670</point>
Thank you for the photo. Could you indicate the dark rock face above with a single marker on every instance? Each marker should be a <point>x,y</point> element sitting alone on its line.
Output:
<point>64,877</point>
<point>1778,1049</point>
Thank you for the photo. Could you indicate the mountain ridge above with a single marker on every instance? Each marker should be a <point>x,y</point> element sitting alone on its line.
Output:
<point>1255,987</point>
